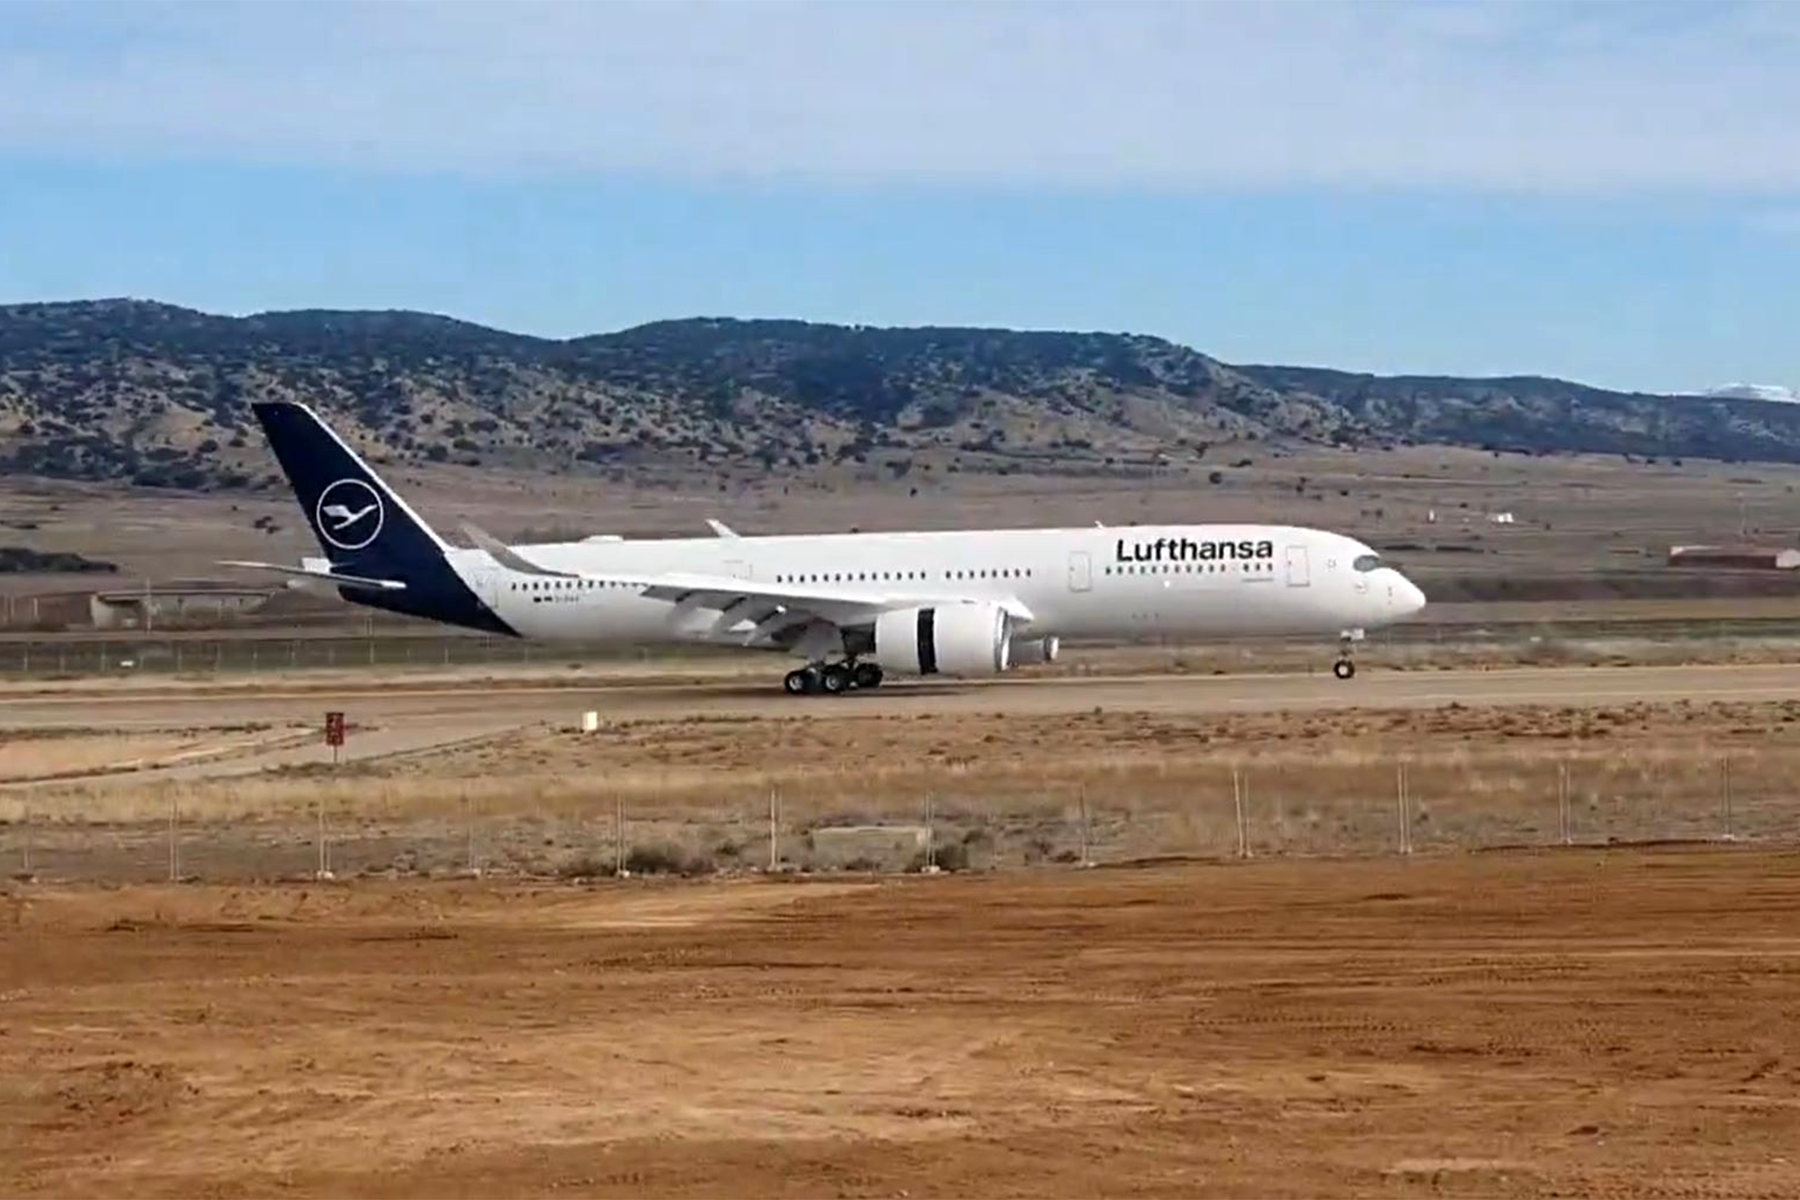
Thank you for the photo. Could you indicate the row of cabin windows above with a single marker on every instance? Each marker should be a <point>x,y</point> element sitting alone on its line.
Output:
<point>565,585</point>
<point>892,576</point>
<point>1211,568</point>
<point>558,585</point>
<point>551,585</point>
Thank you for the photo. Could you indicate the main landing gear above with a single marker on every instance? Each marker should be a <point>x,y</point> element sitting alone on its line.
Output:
<point>1345,666</point>
<point>832,679</point>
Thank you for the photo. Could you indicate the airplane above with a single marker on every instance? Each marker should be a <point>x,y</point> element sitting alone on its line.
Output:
<point>853,607</point>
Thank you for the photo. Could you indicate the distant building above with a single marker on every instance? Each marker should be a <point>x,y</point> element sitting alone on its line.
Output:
<point>1754,558</point>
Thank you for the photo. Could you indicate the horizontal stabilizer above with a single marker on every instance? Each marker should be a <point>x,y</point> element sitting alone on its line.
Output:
<point>311,572</point>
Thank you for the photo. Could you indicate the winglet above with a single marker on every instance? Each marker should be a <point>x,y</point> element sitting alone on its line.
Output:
<point>720,528</point>
<point>505,555</point>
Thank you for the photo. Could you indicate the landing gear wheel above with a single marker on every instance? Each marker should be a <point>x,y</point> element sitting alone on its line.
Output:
<point>1343,668</point>
<point>801,681</point>
<point>866,675</point>
<point>834,680</point>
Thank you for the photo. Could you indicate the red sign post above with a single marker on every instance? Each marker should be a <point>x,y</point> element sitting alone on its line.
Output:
<point>334,733</point>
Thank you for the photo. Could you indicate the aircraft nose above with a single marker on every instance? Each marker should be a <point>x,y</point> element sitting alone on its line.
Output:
<point>1407,599</point>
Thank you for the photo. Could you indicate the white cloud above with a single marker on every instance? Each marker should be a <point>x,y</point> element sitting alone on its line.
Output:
<point>1492,96</point>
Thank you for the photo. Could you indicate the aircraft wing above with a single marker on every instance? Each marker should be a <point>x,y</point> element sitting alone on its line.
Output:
<point>766,608</point>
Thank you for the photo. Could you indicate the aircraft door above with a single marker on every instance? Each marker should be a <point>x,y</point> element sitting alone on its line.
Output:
<point>1081,571</point>
<point>1299,573</point>
<point>737,568</point>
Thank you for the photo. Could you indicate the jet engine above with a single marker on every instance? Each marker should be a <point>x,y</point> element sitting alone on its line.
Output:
<point>1036,650</point>
<point>949,639</point>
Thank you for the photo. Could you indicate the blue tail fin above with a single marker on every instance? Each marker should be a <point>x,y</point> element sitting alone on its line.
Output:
<point>364,528</point>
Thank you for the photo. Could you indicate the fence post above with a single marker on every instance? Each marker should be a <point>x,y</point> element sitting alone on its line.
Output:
<point>1087,858</point>
<point>1562,804</point>
<point>28,835</point>
<point>930,834</point>
<point>174,842</point>
<point>1237,797</point>
<point>1725,794</point>
<point>1400,807</point>
<point>469,830</point>
<point>619,836</point>
<point>324,871</point>
<point>774,830</point>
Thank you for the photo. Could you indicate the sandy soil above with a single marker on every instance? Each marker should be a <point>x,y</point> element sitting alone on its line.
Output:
<point>1578,1023</point>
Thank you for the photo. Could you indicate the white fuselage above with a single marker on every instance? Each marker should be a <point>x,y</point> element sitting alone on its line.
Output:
<point>1199,581</point>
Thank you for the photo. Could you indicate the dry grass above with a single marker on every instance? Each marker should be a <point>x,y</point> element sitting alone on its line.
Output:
<point>1012,790</point>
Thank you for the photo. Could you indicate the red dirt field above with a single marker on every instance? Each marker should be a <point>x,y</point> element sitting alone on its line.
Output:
<point>1579,1023</point>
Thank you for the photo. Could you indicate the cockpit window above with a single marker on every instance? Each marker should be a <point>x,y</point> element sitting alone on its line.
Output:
<point>1367,562</point>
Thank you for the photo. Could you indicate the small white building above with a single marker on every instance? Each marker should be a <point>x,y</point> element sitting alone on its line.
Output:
<point>1754,558</point>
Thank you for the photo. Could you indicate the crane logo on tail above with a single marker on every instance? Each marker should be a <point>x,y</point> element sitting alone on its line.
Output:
<point>349,514</point>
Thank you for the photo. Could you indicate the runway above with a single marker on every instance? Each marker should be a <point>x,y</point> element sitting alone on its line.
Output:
<point>461,708</point>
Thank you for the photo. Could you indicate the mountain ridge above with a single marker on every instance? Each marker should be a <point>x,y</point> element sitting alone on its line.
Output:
<point>157,394</point>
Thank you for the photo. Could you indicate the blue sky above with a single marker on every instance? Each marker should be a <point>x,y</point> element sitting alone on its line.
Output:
<point>1606,192</point>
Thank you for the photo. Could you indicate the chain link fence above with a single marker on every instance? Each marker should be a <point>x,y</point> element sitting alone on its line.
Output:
<point>238,655</point>
<point>1371,806</point>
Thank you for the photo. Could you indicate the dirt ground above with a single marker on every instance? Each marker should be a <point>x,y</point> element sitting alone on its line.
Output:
<point>1573,1023</point>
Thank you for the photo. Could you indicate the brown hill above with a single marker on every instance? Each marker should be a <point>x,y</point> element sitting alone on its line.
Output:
<point>159,395</point>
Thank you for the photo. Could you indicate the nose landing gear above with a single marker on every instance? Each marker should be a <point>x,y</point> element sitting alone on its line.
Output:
<point>1345,666</point>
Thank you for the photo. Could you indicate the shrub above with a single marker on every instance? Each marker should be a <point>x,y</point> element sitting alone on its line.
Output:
<point>664,858</point>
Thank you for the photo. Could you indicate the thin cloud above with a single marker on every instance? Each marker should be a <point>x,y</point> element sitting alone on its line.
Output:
<point>1082,96</point>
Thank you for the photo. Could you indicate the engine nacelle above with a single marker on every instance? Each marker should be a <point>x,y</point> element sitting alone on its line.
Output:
<point>947,639</point>
<point>1035,651</point>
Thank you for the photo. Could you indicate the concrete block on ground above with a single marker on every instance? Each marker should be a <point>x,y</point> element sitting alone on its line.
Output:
<point>876,847</point>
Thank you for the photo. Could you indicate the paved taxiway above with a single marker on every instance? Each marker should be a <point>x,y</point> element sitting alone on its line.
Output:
<point>461,707</point>
<point>415,714</point>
